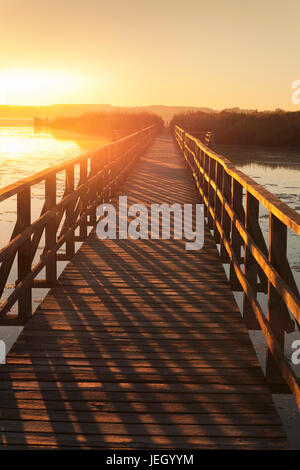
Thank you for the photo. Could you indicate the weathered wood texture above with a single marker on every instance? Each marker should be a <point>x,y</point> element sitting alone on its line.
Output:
<point>140,345</point>
<point>235,225</point>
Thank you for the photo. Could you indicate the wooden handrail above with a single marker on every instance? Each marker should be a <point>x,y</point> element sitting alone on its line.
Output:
<point>100,173</point>
<point>14,188</point>
<point>274,205</point>
<point>231,200</point>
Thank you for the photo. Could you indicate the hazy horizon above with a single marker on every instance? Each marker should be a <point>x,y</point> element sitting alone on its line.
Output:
<point>135,53</point>
<point>234,106</point>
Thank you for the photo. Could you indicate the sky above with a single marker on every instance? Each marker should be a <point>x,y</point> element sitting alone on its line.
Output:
<point>216,53</point>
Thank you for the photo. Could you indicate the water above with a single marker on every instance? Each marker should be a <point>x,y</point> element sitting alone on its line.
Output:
<point>277,170</point>
<point>24,151</point>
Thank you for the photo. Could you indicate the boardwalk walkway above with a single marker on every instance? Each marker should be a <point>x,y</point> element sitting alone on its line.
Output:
<point>140,345</point>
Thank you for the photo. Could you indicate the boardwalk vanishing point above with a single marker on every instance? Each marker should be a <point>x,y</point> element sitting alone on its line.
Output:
<point>139,343</point>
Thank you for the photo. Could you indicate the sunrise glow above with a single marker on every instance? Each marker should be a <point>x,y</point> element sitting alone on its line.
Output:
<point>137,53</point>
<point>36,87</point>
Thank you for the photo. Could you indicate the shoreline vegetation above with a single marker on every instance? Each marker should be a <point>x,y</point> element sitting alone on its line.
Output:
<point>267,129</point>
<point>108,124</point>
<point>74,110</point>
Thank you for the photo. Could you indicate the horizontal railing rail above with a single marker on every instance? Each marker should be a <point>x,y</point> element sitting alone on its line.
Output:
<point>232,202</point>
<point>89,180</point>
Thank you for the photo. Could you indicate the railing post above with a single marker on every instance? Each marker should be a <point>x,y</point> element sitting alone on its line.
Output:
<point>278,315</point>
<point>236,241</point>
<point>183,146</point>
<point>211,175</point>
<point>105,177</point>
<point>114,171</point>
<point>70,241</point>
<point>225,219</point>
<point>201,176</point>
<point>51,228</point>
<point>250,265</point>
<point>206,160</point>
<point>198,153</point>
<point>83,201</point>
<point>208,171</point>
<point>93,192</point>
<point>24,254</point>
<point>217,202</point>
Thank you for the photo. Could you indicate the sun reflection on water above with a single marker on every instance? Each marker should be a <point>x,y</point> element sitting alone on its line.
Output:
<point>25,151</point>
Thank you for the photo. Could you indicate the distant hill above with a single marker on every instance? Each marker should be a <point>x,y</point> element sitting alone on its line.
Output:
<point>52,111</point>
<point>167,112</point>
<point>72,110</point>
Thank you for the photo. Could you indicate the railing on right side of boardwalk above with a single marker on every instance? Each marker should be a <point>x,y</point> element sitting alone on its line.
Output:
<point>86,181</point>
<point>231,202</point>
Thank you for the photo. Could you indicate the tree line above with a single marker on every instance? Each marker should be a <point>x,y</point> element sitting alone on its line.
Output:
<point>112,124</point>
<point>278,128</point>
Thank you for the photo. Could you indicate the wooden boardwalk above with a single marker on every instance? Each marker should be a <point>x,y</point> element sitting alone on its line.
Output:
<point>140,345</point>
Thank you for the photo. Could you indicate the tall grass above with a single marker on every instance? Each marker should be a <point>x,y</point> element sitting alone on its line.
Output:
<point>278,128</point>
<point>108,124</point>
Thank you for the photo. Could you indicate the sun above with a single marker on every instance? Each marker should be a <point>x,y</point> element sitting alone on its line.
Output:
<point>37,87</point>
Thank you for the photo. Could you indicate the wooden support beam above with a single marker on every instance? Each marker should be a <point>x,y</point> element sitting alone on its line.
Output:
<point>70,241</point>
<point>236,241</point>
<point>278,315</point>
<point>250,265</point>
<point>266,271</point>
<point>24,252</point>
<point>83,201</point>
<point>51,228</point>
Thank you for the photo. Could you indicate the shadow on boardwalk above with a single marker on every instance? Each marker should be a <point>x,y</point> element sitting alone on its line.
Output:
<point>140,345</point>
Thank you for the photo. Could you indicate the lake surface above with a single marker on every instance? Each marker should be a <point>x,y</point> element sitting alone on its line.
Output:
<point>278,171</point>
<point>24,151</point>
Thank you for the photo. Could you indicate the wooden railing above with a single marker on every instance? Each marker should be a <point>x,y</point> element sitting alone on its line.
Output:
<point>231,202</point>
<point>88,181</point>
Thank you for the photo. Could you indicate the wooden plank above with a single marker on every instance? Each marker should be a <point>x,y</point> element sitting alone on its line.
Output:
<point>169,409</point>
<point>146,418</point>
<point>75,375</point>
<point>47,355</point>
<point>174,429</point>
<point>131,398</point>
<point>139,318</point>
<point>115,327</point>
<point>65,441</point>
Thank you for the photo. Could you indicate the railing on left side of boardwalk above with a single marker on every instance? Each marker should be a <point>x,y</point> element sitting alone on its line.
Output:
<point>88,180</point>
<point>231,202</point>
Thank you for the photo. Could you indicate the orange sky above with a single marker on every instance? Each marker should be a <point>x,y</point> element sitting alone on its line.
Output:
<point>217,53</point>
